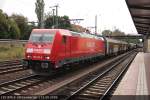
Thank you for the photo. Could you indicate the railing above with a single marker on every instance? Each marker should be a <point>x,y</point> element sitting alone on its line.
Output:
<point>12,41</point>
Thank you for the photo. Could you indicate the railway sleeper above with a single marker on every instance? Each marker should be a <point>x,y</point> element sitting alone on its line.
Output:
<point>105,82</point>
<point>14,86</point>
<point>2,92</point>
<point>100,85</point>
<point>30,81</point>
<point>87,97</point>
<point>106,79</point>
<point>17,94</point>
<point>20,84</point>
<point>96,89</point>
<point>6,89</point>
<point>25,83</point>
<point>91,93</point>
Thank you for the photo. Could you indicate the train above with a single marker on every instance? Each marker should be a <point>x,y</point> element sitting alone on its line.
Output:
<point>48,50</point>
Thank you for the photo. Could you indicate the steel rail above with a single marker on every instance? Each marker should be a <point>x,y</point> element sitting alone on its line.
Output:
<point>91,82</point>
<point>5,88</point>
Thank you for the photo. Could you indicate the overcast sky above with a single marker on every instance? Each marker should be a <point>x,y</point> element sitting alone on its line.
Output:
<point>111,14</point>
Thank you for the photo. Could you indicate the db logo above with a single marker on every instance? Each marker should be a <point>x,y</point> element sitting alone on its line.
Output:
<point>39,46</point>
<point>37,50</point>
<point>38,57</point>
<point>90,44</point>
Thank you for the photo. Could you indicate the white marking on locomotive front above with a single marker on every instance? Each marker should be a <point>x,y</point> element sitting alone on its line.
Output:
<point>39,46</point>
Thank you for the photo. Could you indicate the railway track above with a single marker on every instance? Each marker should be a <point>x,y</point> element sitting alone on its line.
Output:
<point>11,69</point>
<point>95,86</point>
<point>54,85</point>
<point>10,88</point>
<point>10,63</point>
<point>10,66</point>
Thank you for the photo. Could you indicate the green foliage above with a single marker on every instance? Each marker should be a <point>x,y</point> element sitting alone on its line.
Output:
<point>78,28</point>
<point>137,41</point>
<point>29,29</point>
<point>22,23</point>
<point>8,27</point>
<point>49,22</point>
<point>39,10</point>
<point>14,27</point>
<point>107,33</point>
<point>14,30</point>
<point>63,22</point>
<point>117,32</point>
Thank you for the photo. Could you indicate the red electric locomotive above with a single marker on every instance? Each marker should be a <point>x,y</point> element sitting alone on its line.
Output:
<point>49,49</point>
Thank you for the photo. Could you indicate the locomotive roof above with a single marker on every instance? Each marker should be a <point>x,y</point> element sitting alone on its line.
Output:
<point>69,33</point>
<point>63,31</point>
<point>115,41</point>
<point>86,35</point>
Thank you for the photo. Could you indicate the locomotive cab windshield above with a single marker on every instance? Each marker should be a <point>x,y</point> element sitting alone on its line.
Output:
<point>41,37</point>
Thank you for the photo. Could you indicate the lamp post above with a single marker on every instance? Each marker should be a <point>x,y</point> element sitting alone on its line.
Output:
<point>55,19</point>
<point>96,24</point>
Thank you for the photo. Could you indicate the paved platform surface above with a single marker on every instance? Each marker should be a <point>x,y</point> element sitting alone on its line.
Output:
<point>137,79</point>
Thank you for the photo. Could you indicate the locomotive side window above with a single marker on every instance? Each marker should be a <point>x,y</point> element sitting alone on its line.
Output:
<point>64,39</point>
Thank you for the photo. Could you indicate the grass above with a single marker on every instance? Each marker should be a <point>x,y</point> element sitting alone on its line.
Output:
<point>11,51</point>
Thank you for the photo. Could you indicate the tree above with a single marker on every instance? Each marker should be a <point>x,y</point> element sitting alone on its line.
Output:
<point>107,33</point>
<point>78,28</point>
<point>8,27</point>
<point>132,40</point>
<point>117,32</point>
<point>63,21</point>
<point>48,22</point>
<point>30,27</point>
<point>22,23</point>
<point>14,31</point>
<point>3,25</point>
<point>39,10</point>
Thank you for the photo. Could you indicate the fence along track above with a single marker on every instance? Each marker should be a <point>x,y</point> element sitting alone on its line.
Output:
<point>13,41</point>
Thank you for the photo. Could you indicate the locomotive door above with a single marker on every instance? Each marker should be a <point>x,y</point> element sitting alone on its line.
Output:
<point>66,41</point>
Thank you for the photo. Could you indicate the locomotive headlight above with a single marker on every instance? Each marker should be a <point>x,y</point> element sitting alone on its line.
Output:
<point>47,57</point>
<point>29,50</point>
<point>47,51</point>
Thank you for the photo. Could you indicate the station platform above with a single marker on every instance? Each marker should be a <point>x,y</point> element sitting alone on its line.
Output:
<point>136,80</point>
